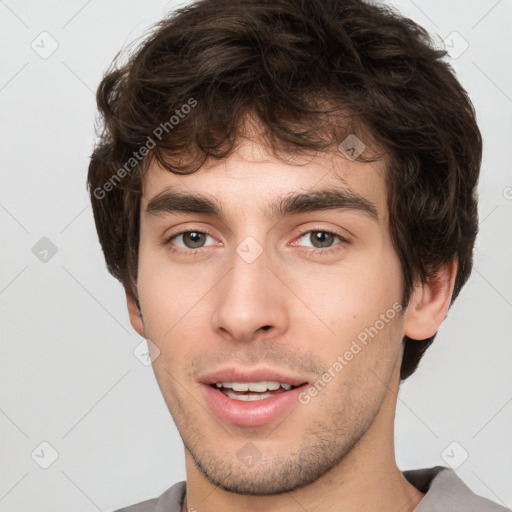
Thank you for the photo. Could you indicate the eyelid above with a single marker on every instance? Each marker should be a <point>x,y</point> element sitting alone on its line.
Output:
<point>343,239</point>
<point>324,229</point>
<point>323,251</point>
<point>205,231</point>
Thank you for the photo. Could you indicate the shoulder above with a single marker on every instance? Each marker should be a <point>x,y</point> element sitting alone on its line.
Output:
<point>170,501</point>
<point>444,490</point>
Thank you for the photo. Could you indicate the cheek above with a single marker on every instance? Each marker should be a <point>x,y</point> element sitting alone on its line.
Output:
<point>171,295</point>
<point>351,296</point>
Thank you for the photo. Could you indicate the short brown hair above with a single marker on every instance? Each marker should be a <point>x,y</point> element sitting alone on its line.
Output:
<point>283,60</point>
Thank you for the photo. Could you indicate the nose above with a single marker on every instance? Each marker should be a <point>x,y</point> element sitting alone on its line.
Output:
<point>250,300</point>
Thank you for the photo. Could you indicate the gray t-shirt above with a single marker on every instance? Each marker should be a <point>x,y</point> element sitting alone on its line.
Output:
<point>445,492</point>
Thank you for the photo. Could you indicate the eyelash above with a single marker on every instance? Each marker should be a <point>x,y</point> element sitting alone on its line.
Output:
<point>198,251</point>
<point>328,250</point>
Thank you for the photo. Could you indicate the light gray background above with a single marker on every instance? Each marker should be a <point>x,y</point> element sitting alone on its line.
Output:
<point>68,373</point>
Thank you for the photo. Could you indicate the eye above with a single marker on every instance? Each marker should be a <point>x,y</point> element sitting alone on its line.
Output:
<point>190,239</point>
<point>321,240</point>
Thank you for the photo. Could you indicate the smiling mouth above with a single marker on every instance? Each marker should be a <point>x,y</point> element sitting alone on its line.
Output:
<point>252,391</point>
<point>249,401</point>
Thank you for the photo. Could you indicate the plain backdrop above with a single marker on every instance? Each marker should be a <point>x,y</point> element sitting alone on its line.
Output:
<point>82,421</point>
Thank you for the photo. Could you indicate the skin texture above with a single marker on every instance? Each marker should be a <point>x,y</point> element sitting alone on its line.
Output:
<point>337,451</point>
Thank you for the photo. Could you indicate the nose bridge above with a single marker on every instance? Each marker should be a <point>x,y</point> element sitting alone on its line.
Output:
<point>248,299</point>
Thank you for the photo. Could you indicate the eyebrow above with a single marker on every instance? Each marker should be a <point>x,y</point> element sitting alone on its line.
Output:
<point>172,201</point>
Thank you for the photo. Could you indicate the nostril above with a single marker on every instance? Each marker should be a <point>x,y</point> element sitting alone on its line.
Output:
<point>266,327</point>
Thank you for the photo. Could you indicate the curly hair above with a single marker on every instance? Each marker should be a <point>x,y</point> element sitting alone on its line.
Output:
<point>309,70</point>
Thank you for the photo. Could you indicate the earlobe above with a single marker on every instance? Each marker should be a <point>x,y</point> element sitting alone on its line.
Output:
<point>429,303</point>
<point>134,313</point>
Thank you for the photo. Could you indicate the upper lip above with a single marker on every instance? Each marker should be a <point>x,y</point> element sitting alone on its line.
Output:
<point>239,374</point>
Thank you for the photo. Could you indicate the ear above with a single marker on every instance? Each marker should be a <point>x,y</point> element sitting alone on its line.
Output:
<point>134,313</point>
<point>429,303</point>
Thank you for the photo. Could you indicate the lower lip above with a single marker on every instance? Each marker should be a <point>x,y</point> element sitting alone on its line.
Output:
<point>250,414</point>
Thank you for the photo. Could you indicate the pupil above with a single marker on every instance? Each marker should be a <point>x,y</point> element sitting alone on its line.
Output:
<point>194,238</point>
<point>322,238</point>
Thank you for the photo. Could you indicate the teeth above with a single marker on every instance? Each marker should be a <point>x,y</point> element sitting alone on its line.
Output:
<point>240,386</point>
<point>246,398</point>
<point>258,387</point>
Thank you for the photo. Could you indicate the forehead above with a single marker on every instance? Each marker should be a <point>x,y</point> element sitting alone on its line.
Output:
<point>252,179</point>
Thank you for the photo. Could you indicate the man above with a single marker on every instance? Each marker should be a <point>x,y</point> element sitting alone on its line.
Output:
<point>286,190</point>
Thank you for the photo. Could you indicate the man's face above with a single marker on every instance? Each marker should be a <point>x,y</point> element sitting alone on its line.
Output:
<point>252,295</point>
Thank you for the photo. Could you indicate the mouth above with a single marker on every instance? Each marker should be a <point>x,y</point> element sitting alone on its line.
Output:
<point>251,398</point>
